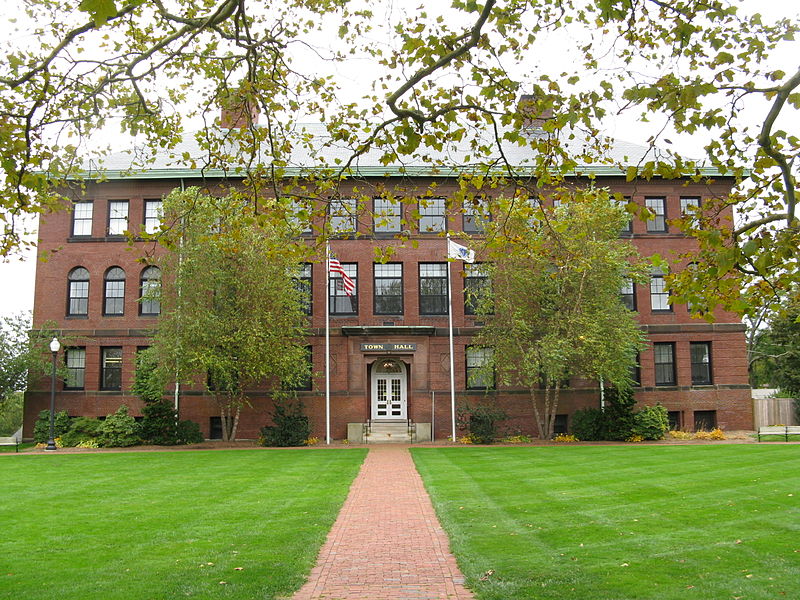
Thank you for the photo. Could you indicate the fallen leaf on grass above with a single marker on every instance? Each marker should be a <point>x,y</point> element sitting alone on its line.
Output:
<point>485,576</point>
<point>624,565</point>
<point>238,568</point>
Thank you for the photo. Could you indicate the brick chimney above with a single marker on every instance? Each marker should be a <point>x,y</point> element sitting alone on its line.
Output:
<point>530,117</point>
<point>238,112</point>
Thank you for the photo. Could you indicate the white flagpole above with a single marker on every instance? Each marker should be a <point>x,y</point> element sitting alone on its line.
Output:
<point>327,343</point>
<point>452,361</point>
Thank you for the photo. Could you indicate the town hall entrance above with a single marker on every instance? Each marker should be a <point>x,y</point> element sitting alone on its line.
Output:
<point>389,390</point>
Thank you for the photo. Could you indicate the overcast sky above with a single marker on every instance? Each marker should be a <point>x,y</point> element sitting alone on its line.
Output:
<point>17,276</point>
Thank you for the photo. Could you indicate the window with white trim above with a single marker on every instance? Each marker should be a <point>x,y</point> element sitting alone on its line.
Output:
<point>658,206</point>
<point>82,218</point>
<point>659,296</point>
<point>432,215</point>
<point>343,213</point>
<point>387,215</point>
<point>75,360</point>
<point>150,291</point>
<point>78,292</point>
<point>114,292</point>
<point>117,217</point>
<point>152,215</point>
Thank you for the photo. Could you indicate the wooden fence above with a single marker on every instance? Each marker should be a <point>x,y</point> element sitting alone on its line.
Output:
<point>774,411</point>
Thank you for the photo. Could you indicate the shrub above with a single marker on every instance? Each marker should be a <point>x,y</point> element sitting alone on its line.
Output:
<point>159,424</point>
<point>717,434</point>
<point>480,421</point>
<point>563,437</point>
<point>519,438</point>
<point>41,429</point>
<point>588,424</point>
<point>119,430</point>
<point>635,438</point>
<point>88,444</point>
<point>651,423</point>
<point>619,416</point>
<point>680,435</point>
<point>188,432</point>
<point>701,435</point>
<point>290,428</point>
<point>84,429</point>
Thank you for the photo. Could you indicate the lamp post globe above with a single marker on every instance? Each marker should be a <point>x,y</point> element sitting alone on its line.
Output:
<point>55,346</point>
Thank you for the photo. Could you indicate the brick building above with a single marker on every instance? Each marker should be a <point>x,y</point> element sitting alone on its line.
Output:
<point>389,342</point>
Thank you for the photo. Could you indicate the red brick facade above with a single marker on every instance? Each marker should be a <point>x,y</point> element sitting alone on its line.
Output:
<point>426,366</point>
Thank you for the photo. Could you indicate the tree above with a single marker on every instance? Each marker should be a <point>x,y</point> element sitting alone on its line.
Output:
<point>23,354</point>
<point>446,75</point>
<point>777,351</point>
<point>232,315</point>
<point>553,308</point>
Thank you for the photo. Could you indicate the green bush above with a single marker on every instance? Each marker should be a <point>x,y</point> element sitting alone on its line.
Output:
<point>41,429</point>
<point>290,426</point>
<point>588,424</point>
<point>652,422</point>
<point>188,432</point>
<point>119,430</point>
<point>480,421</point>
<point>619,417</point>
<point>84,429</point>
<point>159,424</point>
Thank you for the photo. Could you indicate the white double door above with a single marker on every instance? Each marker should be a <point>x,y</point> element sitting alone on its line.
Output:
<point>389,390</point>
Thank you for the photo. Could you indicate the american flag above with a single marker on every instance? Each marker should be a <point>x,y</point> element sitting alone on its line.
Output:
<point>334,266</point>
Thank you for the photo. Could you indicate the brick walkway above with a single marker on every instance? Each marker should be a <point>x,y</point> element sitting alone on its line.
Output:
<point>386,543</point>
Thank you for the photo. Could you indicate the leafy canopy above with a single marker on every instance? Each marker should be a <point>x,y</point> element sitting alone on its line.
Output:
<point>449,73</point>
<point>553,309</point>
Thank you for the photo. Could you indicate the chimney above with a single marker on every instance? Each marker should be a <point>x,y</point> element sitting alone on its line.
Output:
<point>238,112</point>
<point>531,116</point>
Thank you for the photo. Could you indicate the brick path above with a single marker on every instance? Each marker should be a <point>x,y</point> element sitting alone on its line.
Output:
<point>386,543</point>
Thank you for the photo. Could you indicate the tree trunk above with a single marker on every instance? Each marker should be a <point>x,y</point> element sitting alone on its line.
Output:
<point>553,412</point>
<point>536,414</point>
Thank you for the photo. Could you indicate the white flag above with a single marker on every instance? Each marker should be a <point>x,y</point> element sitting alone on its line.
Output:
<point>459,252</point>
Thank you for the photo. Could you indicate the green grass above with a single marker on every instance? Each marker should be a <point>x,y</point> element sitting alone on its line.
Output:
<point>621,523</point>
<point>166,525</point>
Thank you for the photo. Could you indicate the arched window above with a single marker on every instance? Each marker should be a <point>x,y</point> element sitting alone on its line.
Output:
<point>150,290</point>
<point>78,292</point>
<point>114,296</point>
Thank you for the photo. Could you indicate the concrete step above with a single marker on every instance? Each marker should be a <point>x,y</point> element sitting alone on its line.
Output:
<point>388,432</point>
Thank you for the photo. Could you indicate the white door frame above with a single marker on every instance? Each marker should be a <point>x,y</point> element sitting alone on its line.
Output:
<point>390,402</point>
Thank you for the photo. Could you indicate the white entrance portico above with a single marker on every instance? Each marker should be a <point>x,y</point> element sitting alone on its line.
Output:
<point>389,390</point>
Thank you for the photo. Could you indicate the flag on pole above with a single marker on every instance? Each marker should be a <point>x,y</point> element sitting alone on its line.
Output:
<point>459,252</point>
<point>334,266</point>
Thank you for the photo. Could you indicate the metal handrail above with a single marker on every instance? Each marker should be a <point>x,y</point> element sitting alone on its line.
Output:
<point>412,429</point>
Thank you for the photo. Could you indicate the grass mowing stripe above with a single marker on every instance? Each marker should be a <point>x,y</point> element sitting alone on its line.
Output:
<point>621,523</point>
<point>168,524</point>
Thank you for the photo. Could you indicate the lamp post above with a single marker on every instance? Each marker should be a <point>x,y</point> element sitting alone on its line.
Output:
<point>55,346</point>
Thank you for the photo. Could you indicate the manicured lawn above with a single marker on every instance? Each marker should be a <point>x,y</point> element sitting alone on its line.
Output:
<point>167,525</point>
<point>621,523</point>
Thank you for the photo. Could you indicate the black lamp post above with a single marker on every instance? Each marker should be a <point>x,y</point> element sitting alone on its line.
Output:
<point>55,346</point>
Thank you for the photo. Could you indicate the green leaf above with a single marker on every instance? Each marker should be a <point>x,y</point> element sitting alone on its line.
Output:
<point>100,10</point>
